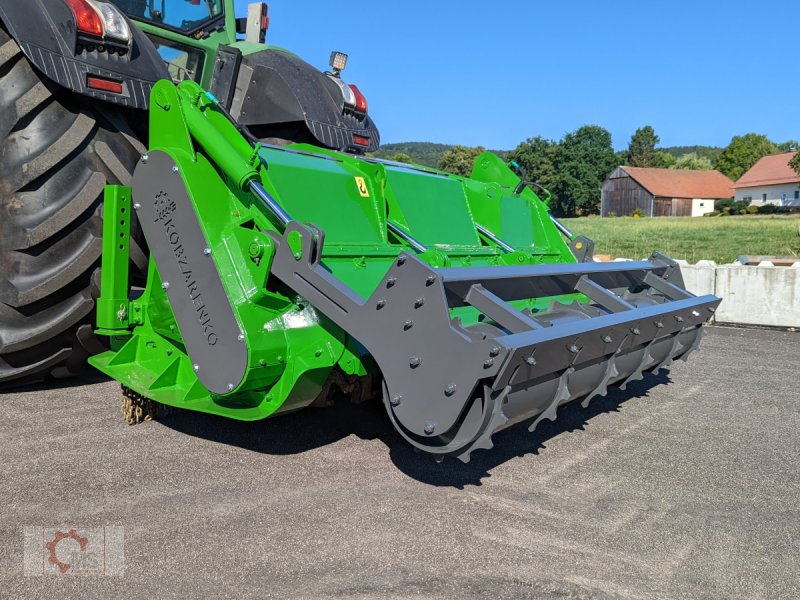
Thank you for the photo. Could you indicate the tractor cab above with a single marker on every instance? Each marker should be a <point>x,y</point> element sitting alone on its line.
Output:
<point>279,96</point>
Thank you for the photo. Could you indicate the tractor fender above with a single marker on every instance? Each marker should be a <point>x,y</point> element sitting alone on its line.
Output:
<point>46,32</point>
<point>276,87</point>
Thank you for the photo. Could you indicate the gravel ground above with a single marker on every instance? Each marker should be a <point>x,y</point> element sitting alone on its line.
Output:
<point>685,486</point>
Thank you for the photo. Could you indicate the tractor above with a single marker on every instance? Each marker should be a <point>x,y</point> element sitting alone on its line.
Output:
<point>75,84</point>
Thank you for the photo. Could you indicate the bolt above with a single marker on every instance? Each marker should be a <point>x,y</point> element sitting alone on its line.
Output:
<point>494,351</point>
<point>175,169</point>
<point>635,331</point>
<point>430,280</point>
<point>450,389</point>
<point>430,428</point>
<point>408,325</point>
<point>207,251</point>
<point>419,302</point>
<point>145,158</point>
<point>401,260</point>
<point>695,313</point>
<point>137,206</point>
<point>574,349</point>
<point>318,352</point>
<point>488,363</point>
<point>381,303</point>
<point>196,368</point>
<point>415,361</point>
<point>230,387</point>
<point>607,339</point>
<point>711,309</point>
<point>390,282</point>
<point>530,360</point>
<point>240,337</point>
<point>659,324</point>
<point>165,285</point>
<point>679,318</point>
<point>395,400</point>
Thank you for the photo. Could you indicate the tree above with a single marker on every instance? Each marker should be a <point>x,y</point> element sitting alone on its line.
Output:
<point>795,163</point>
<point>459,159</point>
<point>583,160</point>
<point>692,162</point>
<point>536,156</point>
<point>401,157</point>
<point>642,148</point>
<point>743,152</point>
<point>667,160</point>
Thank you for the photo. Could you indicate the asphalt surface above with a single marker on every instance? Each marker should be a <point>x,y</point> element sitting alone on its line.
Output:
<point>685,486</point>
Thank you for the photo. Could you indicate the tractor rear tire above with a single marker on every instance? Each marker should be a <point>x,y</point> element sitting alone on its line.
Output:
<point>57,152</point>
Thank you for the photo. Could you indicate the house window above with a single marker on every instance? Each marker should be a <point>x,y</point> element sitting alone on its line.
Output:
<point>763,197</point>
<point>797,194</point>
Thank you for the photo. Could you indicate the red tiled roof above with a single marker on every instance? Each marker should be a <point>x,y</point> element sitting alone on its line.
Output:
<point>770,170</point>
<point>680,183</point>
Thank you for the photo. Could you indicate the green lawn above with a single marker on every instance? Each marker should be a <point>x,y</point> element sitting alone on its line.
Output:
<point>721,239</point>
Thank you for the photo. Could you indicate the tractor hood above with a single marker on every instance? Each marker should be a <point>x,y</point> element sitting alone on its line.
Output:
<point>276,90</point>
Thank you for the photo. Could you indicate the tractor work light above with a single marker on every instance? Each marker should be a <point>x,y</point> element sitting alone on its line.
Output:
<point>338,62</point>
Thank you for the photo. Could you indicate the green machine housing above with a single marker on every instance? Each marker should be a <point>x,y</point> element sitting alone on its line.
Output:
<point>276,270</point>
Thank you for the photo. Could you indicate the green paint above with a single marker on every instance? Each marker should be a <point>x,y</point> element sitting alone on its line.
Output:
<point>113,312</point>
<point>292,349</point>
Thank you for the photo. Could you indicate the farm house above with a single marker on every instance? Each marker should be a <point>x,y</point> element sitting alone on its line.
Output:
<point>662,192</point>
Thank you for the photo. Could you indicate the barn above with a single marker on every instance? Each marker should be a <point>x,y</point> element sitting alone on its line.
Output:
<point>662,192</point>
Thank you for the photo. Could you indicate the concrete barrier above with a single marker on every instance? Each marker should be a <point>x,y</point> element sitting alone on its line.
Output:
<point>751,295</point>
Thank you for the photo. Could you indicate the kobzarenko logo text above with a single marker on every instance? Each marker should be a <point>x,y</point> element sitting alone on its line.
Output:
<point>165,207</point>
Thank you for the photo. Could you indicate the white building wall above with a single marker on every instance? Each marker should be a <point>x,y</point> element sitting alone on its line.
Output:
<point>701,206</point>
<point>775,194</point>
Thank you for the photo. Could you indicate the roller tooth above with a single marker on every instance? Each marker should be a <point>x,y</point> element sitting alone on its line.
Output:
<point>673,351</point>
<point>637,374</point>
<point>464,458</point>
<point>562,393</point>
<point>602,389</point>
<point>695,344</point>
<point>487,444</point>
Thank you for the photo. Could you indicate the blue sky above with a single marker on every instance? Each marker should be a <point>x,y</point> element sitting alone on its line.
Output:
<point>495,73</point>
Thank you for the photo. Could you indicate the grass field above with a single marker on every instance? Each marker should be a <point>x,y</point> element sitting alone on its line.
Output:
<point>721,239</point>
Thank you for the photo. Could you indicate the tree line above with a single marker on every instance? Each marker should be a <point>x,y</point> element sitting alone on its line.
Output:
<point>574,167</point>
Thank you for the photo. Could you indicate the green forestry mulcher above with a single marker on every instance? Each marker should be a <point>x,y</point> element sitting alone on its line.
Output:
<point>276,271</point>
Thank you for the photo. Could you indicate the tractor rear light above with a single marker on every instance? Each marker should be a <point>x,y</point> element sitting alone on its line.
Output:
<point>349,97</point>
<point>114,23</point>
<point>360,101</point>
<point>100,20</point>
<point>359,140</point>
<point>87,18</point>
<point>104,85</point>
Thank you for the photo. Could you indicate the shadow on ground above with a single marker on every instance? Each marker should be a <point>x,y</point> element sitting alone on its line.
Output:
<point>313,428</point>
<point>90,377</point>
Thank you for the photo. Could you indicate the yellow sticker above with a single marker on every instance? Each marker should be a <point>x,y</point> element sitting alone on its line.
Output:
<point>362,187</point>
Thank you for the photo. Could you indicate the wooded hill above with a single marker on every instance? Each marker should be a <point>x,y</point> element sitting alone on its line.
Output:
<point>429,153</point>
